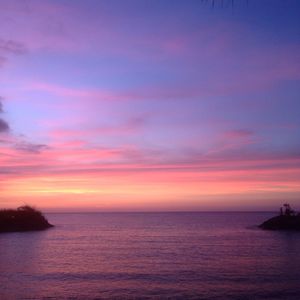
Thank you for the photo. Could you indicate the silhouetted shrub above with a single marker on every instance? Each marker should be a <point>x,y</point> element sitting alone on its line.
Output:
<point>24,218</point>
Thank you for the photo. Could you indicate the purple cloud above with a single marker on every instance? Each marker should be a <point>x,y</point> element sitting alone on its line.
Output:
<point>4,127</point>
<point>12,47</point>
<point>16,142</point>
<point>1,105</point>
<point>30,147</point>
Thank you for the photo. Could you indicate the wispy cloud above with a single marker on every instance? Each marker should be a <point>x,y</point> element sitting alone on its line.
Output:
<point>4,127</point>
<point>12,47</point>
<point>17,142</point>
<point>1,105</point>
<point>239,133</point>
<point>30,147</point>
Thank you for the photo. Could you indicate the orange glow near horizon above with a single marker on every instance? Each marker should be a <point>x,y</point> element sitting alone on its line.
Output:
<point>153,189</point>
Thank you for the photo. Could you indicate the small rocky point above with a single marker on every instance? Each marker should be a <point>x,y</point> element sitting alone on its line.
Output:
<point>24,218</point>
<point>288,219</point>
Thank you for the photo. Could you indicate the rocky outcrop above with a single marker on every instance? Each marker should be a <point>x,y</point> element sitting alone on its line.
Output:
<point>25,218</point>
<point>282,222</point>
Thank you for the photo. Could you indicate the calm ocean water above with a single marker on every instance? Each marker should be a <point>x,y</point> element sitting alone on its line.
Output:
<point>151,256</point>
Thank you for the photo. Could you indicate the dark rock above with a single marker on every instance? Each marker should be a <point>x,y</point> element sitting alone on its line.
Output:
<point>282,222</point>
<point>25,218</point>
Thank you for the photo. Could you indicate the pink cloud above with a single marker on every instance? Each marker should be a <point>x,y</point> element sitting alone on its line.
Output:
<point>239,133</point>
<point>131,126</point>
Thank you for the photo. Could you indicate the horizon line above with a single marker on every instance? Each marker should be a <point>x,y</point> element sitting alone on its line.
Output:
<point>159,212</point>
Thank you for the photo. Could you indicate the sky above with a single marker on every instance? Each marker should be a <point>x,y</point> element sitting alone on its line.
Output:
<point>149,105</point>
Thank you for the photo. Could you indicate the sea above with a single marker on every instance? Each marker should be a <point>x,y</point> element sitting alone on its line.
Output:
<point>192,255</point>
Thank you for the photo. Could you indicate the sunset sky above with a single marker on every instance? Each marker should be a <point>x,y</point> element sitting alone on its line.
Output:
<point>149,105</point>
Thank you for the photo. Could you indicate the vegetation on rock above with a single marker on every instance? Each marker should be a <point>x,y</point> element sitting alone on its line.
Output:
<point>24,218</point>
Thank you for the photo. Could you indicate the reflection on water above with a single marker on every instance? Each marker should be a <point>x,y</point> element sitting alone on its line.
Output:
<point>151,256</point>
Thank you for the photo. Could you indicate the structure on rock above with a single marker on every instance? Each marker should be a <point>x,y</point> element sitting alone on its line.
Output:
<point>287,220</point>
